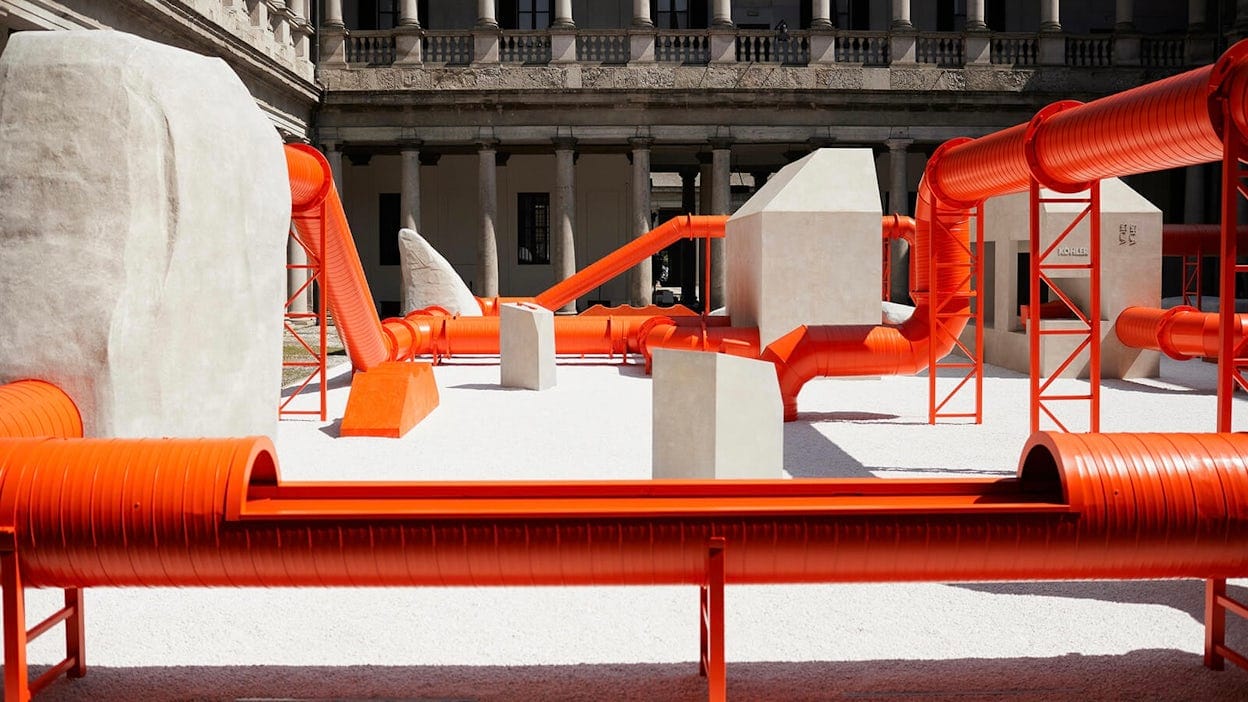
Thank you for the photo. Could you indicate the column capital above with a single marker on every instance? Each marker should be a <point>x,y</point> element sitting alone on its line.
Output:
<point>330,145</point>
<point>720,143</point>
<point>564,143</point>
<point>898,143</point>
<point>411,144</point>
<point>487,144</point>
<point>640,142</point>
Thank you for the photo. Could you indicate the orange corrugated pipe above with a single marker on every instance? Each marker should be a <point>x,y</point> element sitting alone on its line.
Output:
<point>1160,125</point>
<point>1180,332</point>
<point>631,254</point>
<point>1197,239</point>
<point>34,408</point>
<point>184,512</point>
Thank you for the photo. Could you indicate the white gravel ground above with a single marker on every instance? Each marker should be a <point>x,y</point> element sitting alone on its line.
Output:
<point>1028,641</point>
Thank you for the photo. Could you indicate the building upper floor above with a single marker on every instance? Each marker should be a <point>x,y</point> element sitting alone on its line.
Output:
<point>942,33</point>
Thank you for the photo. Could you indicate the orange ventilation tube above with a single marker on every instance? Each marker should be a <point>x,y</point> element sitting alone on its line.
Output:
<point>33,408</point>
<point>182,512</point>
<point>1166,124</point>
<point>1181,333</point>
<point>314,201</point>
<point>629,255</point>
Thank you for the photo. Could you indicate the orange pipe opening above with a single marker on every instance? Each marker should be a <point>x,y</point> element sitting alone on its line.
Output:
<point>34,408</point>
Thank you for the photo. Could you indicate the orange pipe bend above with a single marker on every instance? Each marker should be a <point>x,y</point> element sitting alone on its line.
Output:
<point>182,512</point>
<point>1181,332</point>
<point>34,408</point>
<point>314,200</point>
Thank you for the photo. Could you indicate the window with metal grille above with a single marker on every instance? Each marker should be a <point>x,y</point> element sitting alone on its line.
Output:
<point>533,220</point>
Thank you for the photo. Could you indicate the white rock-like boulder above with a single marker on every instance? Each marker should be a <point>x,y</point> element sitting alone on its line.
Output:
<point>144,209</point>
<point>430,280</point>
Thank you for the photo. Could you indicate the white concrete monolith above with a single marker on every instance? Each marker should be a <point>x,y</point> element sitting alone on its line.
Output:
<point>805,249</point>
<point>715,416</point>
<point>526,346</point>
<point>142,235</point>
<point>429,279</point>
<point>1130,276</point>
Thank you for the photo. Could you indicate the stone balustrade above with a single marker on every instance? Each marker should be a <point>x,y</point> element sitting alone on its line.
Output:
<point>795,48</point>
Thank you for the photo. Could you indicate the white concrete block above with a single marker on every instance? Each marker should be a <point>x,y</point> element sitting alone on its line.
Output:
<point>805,249</point>
<point>715,416</point>
<point>429,279</point>
<point>142,235</point>
<point>1130,276</point>
<point>526,346</point>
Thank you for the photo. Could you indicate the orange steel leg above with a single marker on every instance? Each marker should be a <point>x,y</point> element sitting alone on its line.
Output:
<point>17,684</point>
<point>711,664</point>
<point>1230,362</point>
<point>1215,623</point>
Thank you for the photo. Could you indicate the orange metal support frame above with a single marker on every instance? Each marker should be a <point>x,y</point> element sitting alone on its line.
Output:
<point>952,309</point>
<point>1232,358</point>
<point>1088,329</point>
<point>314,274</point>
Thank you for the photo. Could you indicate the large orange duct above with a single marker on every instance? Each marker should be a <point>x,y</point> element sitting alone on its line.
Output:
<point>33,408</point>
<point>631,254</point>
<point>1197,239</point>
<point>1166,124</point>
<point>215,513</point>
<point>1181,332</point>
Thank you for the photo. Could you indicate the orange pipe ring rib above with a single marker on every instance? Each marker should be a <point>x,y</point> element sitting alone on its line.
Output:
<point>214,513</point>
<point>34,408</point>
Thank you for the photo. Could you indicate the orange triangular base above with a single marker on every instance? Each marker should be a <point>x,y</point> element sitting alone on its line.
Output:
<point>389,400</point>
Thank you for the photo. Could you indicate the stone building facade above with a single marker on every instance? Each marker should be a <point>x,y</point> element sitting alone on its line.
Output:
<point>526,138</point>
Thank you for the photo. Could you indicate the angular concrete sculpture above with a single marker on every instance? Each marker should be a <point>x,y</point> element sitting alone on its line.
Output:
<point>142,235</point>
<point>1130,276</point>
<point>715,416</point>
<point>805,249</point>
<point>526,346</point>
<point>430,280</point>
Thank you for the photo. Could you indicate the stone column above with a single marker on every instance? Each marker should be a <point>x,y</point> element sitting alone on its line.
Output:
<point>296,277</point>
<point>563,215</point>
<point>563,15</point>
<point>486,18</point>
<point>333,14</point>
<point>487,203</point>
<point>721,13</point>
<point>901,15</point>
<point>899,203</point>
<point>641,14</point>
<point>1196,15</point>
<point>975,16</point>
<point>409,194</point>
<point>689,249</point>
<point>334,156</point>
<point>721,202</point>
<point>1124,15</point>
<point>821,14</point>
<point>1050,16</point>
<point>641,282</point>
<point>409,14</point>
<point>1194,195</point>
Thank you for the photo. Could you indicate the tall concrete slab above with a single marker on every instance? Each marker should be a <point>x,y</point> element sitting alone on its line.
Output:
<point>1130,276</point>
<point>143,225</point>
<point>715,416</point>
<point>526,346</point>
<point>805,249</point>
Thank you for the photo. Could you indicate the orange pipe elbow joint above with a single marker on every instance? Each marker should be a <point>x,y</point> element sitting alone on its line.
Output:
<point>34,408</point>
